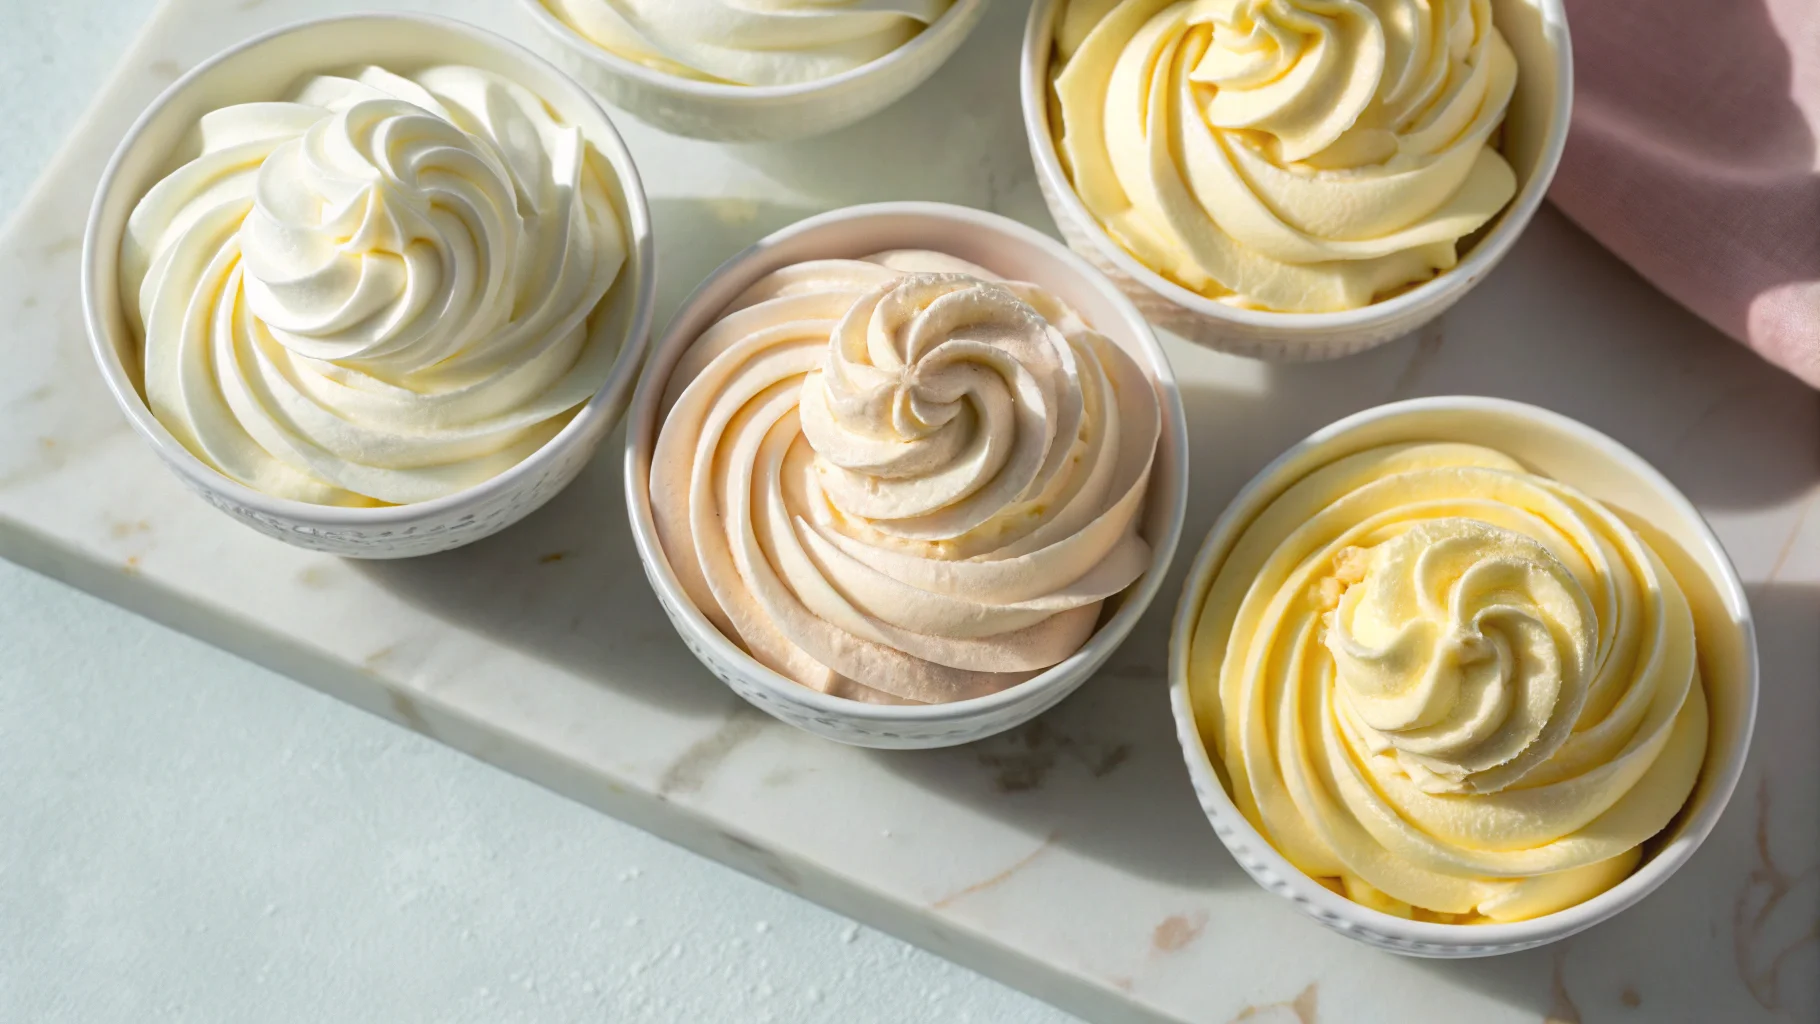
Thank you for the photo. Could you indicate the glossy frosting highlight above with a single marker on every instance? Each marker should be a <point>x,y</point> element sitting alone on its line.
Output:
<point>1447,687</point>
<point>380,292</point>
<point>1291,155</point>
<point>901,480</point>
<point>763,43</point>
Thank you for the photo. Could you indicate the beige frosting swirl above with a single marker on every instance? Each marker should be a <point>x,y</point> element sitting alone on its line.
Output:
<point>382,291</point>
<point>901,480</point>
<point>1294,155</point>
<point>1450,687</point>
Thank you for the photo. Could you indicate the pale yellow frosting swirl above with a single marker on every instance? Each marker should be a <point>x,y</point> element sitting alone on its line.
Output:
<point>1293,155</point>
<point>1449,687</point>
<point>382,291</point>
<point>902,480</point>
<point>749,42</point>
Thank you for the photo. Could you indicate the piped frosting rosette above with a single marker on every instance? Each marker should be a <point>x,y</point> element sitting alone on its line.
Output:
<point>1448,687</point>
<point>901,480</point>
<point>382,291</point>
<point>769,43</point>
<point>1293,155</point>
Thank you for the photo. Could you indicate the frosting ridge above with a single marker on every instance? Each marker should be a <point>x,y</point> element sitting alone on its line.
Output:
<point>382,291</point>
<point>899,479</point>
<point>1448,687</point>
<point>1293,155</point>
<point>775,42</point>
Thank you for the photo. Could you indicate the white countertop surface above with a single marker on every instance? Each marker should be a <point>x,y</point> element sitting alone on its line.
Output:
<point>185,836</point>
<point>200,839</point>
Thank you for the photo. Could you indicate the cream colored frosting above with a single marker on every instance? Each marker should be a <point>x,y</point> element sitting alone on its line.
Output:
<point>769,42</point>
<point>1448,687</point>
<point>901,480</point>
<point>382,291</point>
<point>1293,155</point>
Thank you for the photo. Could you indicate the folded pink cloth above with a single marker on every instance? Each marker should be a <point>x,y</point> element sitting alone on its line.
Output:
<point>1692,156</point>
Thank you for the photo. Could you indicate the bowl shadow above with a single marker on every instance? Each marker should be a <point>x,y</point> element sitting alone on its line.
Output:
<point>565,586</point>
<point>957,138</point>
<point>1102,773</point>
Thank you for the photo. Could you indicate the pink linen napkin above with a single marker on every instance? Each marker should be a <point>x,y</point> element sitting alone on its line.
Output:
<point>1692,156</point>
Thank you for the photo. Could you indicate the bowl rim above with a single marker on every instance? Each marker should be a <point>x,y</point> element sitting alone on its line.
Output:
<point>120,383</point>
<point>1034,80</point>
<point>1723,778</point>
<point>959,16</point>
<point>641,438</point>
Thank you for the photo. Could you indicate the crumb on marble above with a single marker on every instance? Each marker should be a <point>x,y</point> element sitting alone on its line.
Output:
<point>1177,931</point>
<point>122,529</point>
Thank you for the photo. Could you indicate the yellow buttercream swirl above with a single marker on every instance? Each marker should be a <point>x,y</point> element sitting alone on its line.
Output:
<point>1448,687</point>
<point>1293,155</point>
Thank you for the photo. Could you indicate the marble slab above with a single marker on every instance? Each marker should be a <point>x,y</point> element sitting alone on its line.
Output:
<point>1067,858</point>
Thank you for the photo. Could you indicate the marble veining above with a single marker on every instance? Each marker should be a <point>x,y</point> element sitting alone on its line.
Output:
<point>1777,917</point>
<point>1067,857</point>
<point>996,879</point>
<point>1303,1009</point>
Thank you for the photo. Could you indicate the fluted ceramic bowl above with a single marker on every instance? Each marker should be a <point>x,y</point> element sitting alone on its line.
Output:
<point>268,67</point>
<point>1007,248</point>
<point>1581,457</point>
<point>756,113</point>
<point>1534,132</point>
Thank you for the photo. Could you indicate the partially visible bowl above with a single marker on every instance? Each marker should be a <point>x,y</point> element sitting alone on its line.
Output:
<point>745,113</point>
<point>1534,133</point>
<point>266,67</point>
<point>1580,457</point>
<point>1005,247</point>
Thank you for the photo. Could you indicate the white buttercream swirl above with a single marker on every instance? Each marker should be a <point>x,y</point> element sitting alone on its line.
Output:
<point>382,291</point>
<point>902,480</point>
<point>1295,155</point>
<point>1450,687</point>
<point>768,42</point>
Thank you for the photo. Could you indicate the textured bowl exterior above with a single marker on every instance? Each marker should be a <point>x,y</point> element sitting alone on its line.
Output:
<point>398,531</point>
<point>743,676</point>
<point>425,533</point>
<point>1280,337</point>
<point>1267,867</point>
<point>1272,871</point>
<point>726,113</point>
<point>986,239</point>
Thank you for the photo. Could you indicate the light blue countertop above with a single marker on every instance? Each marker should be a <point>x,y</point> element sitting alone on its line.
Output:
<point>185,836</point>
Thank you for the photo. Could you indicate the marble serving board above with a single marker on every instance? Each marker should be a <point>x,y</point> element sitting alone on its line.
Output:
<point>1067,858</point>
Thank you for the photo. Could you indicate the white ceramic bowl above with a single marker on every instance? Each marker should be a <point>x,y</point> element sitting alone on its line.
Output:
<point>1007,248</point>
<point>745,113</point>
<point>1577,455</point>
<point>268,67</point>
<point>1535,130</point>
